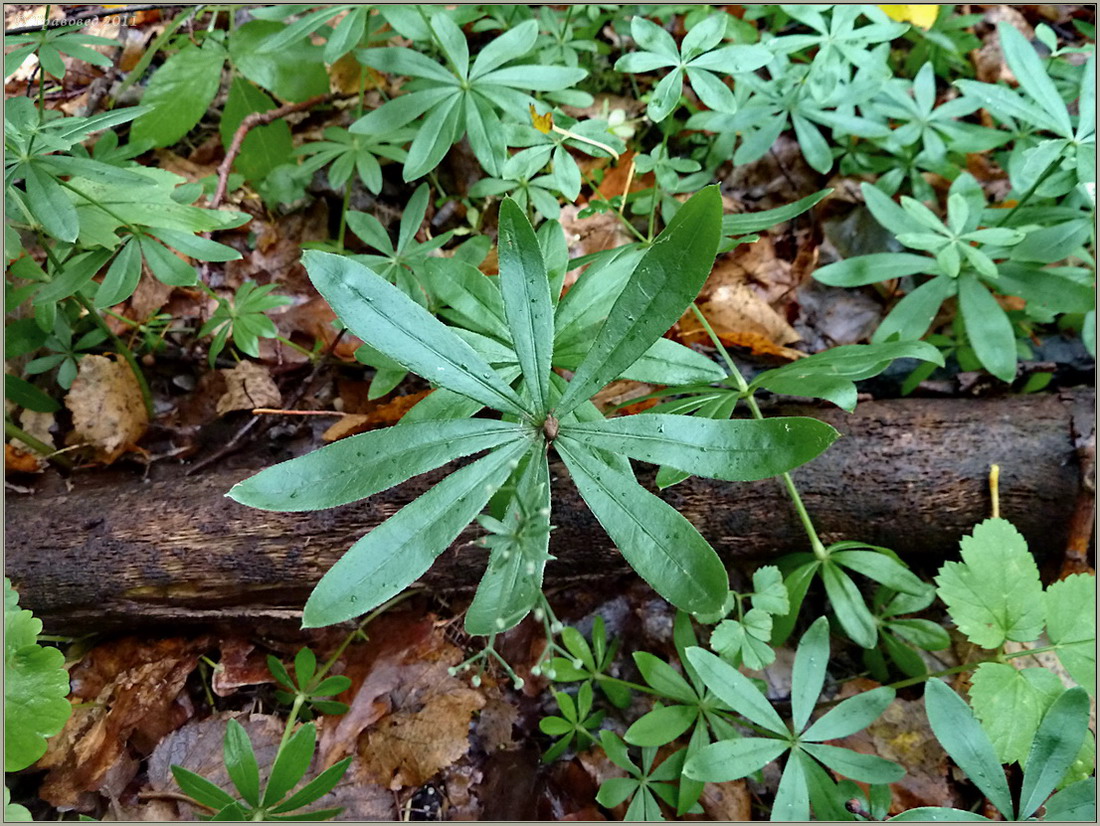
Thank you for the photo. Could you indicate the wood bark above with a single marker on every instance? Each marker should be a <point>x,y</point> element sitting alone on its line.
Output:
<point>109,549</point>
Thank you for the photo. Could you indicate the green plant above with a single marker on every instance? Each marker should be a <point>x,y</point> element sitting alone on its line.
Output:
<point>308,688</point>
<point>899,636</point>
<point>1053,749</point>
<point>745,639</point>
<point>994,595</point>
<point>243,319</point>
<point>49,44</point>
<point>962,266</point>
<point>658,542</point>
<point>36,686</point>
<point>465,98</point>
<point>644,785</point>
<point>576,723</point>
<point>271,801</point>
<point>698,58</point>
<point>734,758</point>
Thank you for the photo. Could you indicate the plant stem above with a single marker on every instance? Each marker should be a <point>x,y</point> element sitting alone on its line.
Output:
<point>367,620</point>
<point>622,218</point>
<point>816,544</point>
<point>344,215</point>
<point>13,431</point>
<point>123,349</point>
<point>1046,173</point>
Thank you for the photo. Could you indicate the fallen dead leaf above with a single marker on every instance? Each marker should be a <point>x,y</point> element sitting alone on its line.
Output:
<point>621,391</point>
<point>989,60</point>
<point>18,461</point>
<point>495,724</point>
<point>408,718</point>
<point>108,410</point>
<point>725,801</point>
<point>248,385</point>
<point>409,747</point>
<point>240,664</point>
<point>134,689</point>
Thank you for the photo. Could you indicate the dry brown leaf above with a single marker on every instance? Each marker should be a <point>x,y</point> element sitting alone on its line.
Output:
<point>989,60</point>
<point>248,385</point>
<point>408,717</point>
<point>378,415</point>
<point>18,461</point>
<point>495,723</point>
<point>135,692</point>
<point>730,801</point>
<point>619,392</point>
<point>108,409</point>
<point>240,664</point>
<point>408,747</point>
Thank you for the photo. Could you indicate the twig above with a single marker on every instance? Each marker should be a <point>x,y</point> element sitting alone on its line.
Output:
<point>13,431</point>
<point>92,15</point>
<point>256,411</point>
<point>253,120</point>
<point>182,798</point>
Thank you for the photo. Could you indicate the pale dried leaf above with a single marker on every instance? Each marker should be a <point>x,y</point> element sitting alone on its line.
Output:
<point>248,385</point>
<point>107,406</point>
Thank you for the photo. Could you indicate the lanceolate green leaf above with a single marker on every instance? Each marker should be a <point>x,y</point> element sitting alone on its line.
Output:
<point>360,466</point>
<point>1054,749</point>
<point>660,544</point>
<point>388,320</point>
<point>740,450</point>
<point>526,293</point>
<point>987,328</point>
<point>513,581</point>
<point>736,690</point>
<point>962,737</point>
<point>665,282</point>
<point>393,555</point>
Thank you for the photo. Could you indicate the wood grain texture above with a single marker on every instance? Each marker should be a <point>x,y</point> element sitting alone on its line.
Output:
<point>110,550</point>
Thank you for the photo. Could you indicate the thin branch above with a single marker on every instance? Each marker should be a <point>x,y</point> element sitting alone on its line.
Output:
<point>251,121</point>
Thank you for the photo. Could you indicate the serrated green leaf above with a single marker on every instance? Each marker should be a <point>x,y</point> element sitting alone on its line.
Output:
<point>1070,608</point>
<point>769,592</point>
<point>180,93</point>
<point>1010,703</point>
<point>661,545</point>
<point>664,282</point>
<point>394,554</point>
<point>368,463</point>
<point>735,450</point>
<point>36,685</point>
<point>994,594</point>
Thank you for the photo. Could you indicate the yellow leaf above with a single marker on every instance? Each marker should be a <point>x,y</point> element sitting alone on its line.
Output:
<point>923,15</point>
<point>544,123</point>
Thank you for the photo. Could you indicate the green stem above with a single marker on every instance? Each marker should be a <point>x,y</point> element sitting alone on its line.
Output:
<point>123,349</point>
<point>344,215</point>
<point>816,544</point>
<point>367,620</point>
<point>307,353</point>
<point>622,218</point>
<point>1046,173</point>
<point>295,710</point>
<point>13,431</point>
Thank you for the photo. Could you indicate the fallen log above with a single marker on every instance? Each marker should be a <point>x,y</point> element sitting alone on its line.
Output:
<point>108,549</point>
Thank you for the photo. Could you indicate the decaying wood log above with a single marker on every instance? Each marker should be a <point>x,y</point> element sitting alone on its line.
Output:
<point>112,550</point>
